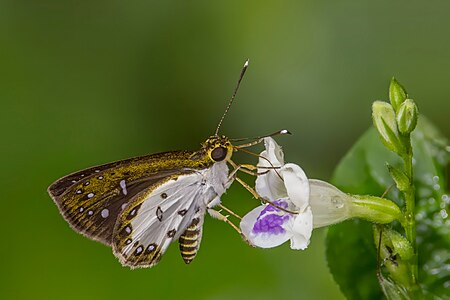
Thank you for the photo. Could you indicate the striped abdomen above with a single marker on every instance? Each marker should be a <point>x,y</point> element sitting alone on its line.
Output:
<point>190,240</point>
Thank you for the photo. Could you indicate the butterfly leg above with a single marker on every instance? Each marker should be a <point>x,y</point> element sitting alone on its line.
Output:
<point>219,216</point>
<point>230,212</point>
<point>257,196</point>
<point>246,168</point>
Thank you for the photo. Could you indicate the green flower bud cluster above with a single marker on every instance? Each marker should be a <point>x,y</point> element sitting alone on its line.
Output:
<point>395,120</point>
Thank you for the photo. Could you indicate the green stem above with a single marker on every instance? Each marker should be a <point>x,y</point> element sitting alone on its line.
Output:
<point>410,228</point>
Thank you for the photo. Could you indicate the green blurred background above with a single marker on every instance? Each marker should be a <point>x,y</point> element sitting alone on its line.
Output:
<point>89,82</point>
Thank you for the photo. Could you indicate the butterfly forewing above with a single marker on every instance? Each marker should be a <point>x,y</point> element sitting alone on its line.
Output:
<point>159,216</point>
<point>91,200</point>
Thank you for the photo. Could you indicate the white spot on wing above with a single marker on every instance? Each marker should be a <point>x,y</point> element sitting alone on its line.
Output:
<point>90,195</point>
<point>105,213</point>
<point>123,185</point>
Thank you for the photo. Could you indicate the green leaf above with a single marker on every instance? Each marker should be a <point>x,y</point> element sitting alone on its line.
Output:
<point>400,178</point>
<point>350,248</point>
<point>352,259</point>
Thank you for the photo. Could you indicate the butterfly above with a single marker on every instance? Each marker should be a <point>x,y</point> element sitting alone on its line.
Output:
<point>139,206</point>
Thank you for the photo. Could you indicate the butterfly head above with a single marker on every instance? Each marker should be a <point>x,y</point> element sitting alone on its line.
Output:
<point>218,148</point>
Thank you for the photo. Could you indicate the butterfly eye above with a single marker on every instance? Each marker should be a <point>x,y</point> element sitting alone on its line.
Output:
<point>219,154</point>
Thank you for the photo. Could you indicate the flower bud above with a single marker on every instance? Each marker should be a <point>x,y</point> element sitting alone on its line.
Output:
<point>400,178</point>
<point>383,116</point>
<point>407,115</point>
<point>397,94</point>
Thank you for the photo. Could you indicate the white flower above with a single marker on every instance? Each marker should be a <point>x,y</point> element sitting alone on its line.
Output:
<point>285,186</point>
<point>295,200</point>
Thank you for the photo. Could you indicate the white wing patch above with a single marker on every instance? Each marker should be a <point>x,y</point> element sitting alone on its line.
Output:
<point>159,216</point>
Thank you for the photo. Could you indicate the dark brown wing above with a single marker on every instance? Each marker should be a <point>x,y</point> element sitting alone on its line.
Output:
<point>91,200</point>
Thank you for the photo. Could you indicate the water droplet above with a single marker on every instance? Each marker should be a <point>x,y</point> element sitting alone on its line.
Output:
<point>420,216</point>
<point>434,271</point>
<point>436,179</point>
<point>337,202</point>
<point>444,214</point>
<point>436,187</point>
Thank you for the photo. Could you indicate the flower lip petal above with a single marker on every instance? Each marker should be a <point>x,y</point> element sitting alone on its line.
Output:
<point>263,227</point>
<point>249,220</point>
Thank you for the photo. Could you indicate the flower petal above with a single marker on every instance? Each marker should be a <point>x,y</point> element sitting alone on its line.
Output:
<point>302,229</point>
<point>296,184</point>
<point>249,220</point>
<point>264,226</point>
<point>274,153</point>
<point>269,185</point>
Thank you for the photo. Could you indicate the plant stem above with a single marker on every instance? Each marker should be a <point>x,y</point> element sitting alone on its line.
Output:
<point>410,228</point>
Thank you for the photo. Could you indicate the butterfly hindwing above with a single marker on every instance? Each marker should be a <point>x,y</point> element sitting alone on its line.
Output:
<point>91,200</point>
<point>158,216</point>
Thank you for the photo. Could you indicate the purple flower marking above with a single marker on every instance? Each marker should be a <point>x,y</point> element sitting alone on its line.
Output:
<point>269,221</point>
<point>280,203</point>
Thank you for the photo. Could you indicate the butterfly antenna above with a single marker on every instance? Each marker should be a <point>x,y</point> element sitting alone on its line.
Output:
<point>232,97</point>
<point>279,132</point>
